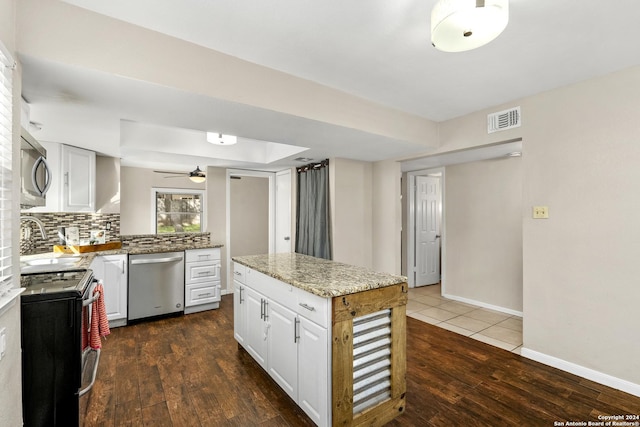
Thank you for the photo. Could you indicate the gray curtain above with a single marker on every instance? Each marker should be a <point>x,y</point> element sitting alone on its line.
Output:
<point>313,226</point>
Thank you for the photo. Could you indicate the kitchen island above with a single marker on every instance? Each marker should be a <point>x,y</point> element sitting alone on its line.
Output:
<point>332,335</point>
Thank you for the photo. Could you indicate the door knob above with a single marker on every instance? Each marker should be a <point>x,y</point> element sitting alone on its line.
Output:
<point>287,238</point>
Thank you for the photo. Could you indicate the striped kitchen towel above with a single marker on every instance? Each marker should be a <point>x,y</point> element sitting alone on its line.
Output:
<point>99,321</point>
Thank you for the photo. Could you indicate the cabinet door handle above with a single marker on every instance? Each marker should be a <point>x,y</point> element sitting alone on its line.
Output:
<point>296,334</point>
<point>266,313</point>
<point>241,300</point>
<point>261,309</point>
<point>308,307</point>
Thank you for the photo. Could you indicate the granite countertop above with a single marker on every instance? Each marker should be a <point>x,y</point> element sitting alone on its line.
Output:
<point>84,259</point>
<point>319,276</point>
<point>167,248</point>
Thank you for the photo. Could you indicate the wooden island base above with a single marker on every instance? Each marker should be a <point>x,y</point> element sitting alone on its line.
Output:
<point>346,310</point>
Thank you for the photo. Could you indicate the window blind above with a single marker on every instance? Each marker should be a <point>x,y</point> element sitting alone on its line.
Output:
<point>7,66</point>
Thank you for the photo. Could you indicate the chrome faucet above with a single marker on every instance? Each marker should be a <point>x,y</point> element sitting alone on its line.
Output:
<point>38,223</point>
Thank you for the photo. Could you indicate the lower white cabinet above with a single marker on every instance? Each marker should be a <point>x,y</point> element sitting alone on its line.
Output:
<point>270,323</point>
<point>313,376</point>
<point>112,271</point>
<point>201,279</point>
<point>283,347</point>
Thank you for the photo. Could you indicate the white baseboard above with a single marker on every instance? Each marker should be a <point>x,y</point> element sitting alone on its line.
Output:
<point>484,305</point>
<point>581,371</point>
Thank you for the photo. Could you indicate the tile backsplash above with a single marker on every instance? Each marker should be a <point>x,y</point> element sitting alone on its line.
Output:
<point>84,221</point>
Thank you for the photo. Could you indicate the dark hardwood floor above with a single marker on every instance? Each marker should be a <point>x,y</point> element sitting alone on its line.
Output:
<point>188,371</point>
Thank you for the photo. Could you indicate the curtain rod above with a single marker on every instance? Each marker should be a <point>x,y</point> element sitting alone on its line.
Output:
<point>311,166</point>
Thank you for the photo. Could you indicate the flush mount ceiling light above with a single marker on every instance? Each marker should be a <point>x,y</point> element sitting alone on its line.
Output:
<point>220,139</point>
<point>459,25</point>
<point>197,175</point>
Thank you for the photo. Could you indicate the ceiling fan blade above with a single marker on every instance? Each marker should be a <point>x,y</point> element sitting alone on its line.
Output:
<point>171,172</point>
<point>183,175</point>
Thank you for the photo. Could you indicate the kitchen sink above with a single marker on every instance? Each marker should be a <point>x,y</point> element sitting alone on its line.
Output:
<point>53,261</point>
<point>31,265</point>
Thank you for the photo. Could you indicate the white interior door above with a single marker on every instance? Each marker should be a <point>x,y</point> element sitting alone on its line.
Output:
<point>427,235</point>
<point>283,212</point>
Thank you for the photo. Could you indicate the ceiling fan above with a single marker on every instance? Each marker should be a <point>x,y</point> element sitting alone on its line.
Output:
<point>196,175</point>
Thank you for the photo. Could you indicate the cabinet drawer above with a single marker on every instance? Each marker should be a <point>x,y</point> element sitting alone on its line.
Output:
<point>314,307</point>
<point>196,255</point>
<point>206,271</point>
<point>202,293</point>
<point>283,293</point>
<point>239,273</point>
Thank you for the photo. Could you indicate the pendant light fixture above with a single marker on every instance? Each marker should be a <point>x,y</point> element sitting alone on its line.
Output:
<point>220,139</point>
<point>460,25</point>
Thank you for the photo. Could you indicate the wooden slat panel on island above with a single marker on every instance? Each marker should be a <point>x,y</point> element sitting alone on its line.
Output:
<point>345,309</point>
<point>353,304</point>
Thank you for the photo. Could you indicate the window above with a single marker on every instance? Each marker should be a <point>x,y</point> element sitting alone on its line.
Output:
<point>178,210</point>
<point>6,122</point>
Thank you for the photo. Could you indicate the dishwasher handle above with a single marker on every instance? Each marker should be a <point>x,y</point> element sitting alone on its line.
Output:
<point>155,260</point>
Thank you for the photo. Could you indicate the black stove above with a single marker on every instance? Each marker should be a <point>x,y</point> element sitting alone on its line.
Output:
<point>46,286</point>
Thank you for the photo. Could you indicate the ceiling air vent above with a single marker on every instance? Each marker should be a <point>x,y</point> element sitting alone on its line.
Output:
<point>503,120</point>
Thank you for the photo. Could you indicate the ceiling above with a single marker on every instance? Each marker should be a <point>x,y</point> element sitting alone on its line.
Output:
<point>376,50</point>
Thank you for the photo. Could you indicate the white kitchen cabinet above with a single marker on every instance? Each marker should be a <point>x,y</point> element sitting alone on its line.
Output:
<point>202,279</point>
<point>112,271</point>
<point>282,346</point>
<point>257,327</point>
<point>285,330</point>
<point>239,303</point>
<point>78,177</point>
<point>313,370</point>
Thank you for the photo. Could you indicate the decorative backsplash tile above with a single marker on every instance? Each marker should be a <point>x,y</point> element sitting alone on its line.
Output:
<point>141,241</point>
<point>84,221</point>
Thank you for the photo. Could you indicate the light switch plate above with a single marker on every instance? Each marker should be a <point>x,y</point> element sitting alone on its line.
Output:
<point>540,212</point>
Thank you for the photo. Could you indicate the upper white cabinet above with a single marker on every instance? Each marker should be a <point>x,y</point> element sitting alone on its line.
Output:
<point>78,177</point>
<point>73,182</point>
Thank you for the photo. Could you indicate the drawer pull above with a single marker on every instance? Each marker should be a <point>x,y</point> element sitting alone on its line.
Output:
<point>204,295</point>
<point>201,273</point>
<point>237,273</point>
<point>308,307</point>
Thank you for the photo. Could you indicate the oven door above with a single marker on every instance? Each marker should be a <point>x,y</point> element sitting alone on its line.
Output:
<point>90,357</point>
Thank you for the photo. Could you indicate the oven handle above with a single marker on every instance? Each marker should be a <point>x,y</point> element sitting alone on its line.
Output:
<point>95,369</point>
<point>94,298</point>
<point>155,260</point>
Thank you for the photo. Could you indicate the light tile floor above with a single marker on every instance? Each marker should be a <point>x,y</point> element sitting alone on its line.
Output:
<point>489,326</point>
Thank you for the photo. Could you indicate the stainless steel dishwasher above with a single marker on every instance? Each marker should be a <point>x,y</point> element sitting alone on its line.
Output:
<point>156,284</point>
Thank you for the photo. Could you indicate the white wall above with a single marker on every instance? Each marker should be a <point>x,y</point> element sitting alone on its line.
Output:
<point>217,216</point>
<point>580,266</point>
<point>386,217</point>
<point>108,184</point>
<point>483,220</point>
<point>135,203</point>
<point>350,186</point>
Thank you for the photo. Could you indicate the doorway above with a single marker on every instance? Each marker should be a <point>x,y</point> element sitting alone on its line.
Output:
<point>424,222</point>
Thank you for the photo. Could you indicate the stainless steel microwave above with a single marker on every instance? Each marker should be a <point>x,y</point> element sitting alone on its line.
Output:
<point>35,174</point>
